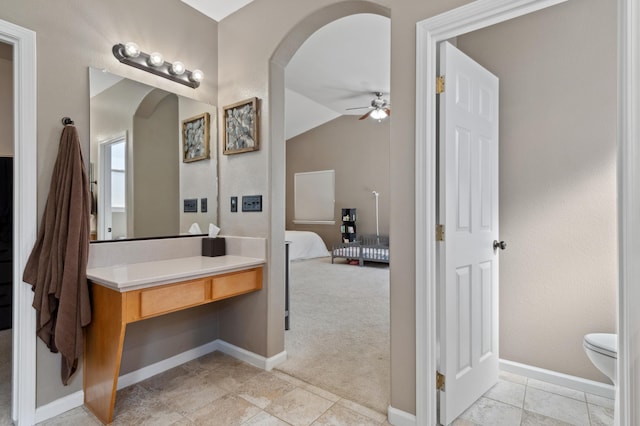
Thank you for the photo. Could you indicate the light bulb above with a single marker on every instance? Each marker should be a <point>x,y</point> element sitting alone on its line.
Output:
<point>131,50</point>
<point>177,68</point>
<point>378,114</point>
<point>156,59</point>
<point>196,76</point>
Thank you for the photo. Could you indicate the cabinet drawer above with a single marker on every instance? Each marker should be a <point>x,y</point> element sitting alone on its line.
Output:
<point>169,298</point>
<point>236,283</point>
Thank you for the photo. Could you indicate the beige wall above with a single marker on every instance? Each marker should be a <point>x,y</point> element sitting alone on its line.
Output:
<point>199,179</point>
<point>245,74</point>
<point>557,180</point>
<point>156,173</point>
<point>156,339</point>
<point>112,113</point>
<point>6,100</point>
<point>359,153</point>
<point>246,46</point>
<point>239,56</point>
<point>72,36</point>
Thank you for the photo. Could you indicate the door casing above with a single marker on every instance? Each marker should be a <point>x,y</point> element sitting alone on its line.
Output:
<point>23,387</point>
<point>470,17</point>
<point>104,184</point>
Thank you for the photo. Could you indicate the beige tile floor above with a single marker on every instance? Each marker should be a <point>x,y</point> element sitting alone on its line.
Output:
<point>517,400</point>
<point>219,390</point>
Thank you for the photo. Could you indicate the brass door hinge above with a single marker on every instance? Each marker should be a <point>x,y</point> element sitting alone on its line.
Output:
<point>439,232</point>
<point>439,381</point>
<point>439,84</point>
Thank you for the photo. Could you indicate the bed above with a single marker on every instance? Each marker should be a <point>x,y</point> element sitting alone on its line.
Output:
<point>366,248</point>
<point>305,245</point>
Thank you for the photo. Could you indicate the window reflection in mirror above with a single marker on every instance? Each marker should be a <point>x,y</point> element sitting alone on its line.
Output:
<point>139,181</point>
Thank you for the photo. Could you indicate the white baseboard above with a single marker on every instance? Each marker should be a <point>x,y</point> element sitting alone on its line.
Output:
<point>250,357</point>
<point>166,364</point>
<point>59,406</point>
<point>69,402</point>
<point>560,379</point>
<point>275,360</point>
<point>400,418</point>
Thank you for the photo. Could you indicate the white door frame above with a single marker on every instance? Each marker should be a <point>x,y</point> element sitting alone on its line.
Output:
<point>471,17</point>
<point>24,218</point>
<point>104,197</point>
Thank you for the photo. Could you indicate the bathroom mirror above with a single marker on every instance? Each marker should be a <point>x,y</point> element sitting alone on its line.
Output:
<point>140,185</point>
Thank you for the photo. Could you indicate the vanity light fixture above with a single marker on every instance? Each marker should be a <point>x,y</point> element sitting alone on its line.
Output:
<point>177,68</point>
<point>155,59</point>
<point>130,54</point>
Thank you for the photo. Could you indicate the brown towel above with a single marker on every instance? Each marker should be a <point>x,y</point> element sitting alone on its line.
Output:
<point>57,265</point>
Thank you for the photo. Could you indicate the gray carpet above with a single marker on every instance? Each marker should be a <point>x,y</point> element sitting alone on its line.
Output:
<point>339,336</point>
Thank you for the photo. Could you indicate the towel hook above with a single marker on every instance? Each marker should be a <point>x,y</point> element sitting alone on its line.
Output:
<point>67,120</point>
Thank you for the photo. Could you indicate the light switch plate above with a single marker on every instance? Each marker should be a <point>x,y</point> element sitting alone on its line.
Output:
<point>191,205</point>
<point>234,204</point>
<point>203,205</point>
<point>252,203</point>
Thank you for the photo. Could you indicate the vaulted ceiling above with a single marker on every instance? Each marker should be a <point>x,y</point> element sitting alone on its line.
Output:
<point>340,66</point>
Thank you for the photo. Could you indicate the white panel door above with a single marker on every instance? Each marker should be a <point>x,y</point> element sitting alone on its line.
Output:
<point>468,208</point>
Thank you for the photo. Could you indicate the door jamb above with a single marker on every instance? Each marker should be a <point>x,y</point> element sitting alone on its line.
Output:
<point>105,178</point>
<point>471,17</point>
<point>25,217</point>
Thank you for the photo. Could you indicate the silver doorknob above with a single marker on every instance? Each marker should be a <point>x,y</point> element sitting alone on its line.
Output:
<point>499,245</point>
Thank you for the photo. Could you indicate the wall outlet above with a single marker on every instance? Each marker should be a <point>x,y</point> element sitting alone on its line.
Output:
<point>191,205</point>
<point>203,205</point>
<point>234,204</point>
<point>252,203</point>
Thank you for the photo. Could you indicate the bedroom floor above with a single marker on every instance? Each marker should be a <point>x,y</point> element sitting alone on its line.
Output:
<point>339,329</point>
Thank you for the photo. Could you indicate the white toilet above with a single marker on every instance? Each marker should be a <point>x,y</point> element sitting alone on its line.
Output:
<point>602,350</point>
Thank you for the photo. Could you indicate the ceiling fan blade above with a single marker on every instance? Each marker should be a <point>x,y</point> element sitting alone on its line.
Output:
<point>348,109</point>
<point>388,111</point>
<point>366,115</point>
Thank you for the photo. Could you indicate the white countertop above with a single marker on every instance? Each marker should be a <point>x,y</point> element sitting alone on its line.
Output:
<point>134,276</point>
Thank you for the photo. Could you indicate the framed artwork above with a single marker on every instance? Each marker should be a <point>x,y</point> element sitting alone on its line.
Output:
<point>195,138</point>
<point>241,127</point>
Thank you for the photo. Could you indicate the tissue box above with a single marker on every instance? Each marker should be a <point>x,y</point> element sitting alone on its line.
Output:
<point>213,247</point>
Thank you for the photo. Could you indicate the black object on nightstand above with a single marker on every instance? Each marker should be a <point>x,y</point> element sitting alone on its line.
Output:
<point>348,228</point>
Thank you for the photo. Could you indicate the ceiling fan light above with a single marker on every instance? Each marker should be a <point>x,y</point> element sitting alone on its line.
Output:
<point>378,114</point>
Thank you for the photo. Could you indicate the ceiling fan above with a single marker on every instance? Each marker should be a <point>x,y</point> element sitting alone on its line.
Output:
<point>378,110</point>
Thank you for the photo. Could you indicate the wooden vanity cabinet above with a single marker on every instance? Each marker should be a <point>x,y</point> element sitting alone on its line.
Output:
<point>112,310</point>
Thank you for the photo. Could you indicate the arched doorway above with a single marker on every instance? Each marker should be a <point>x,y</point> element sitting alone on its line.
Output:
<point>277,64</point>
